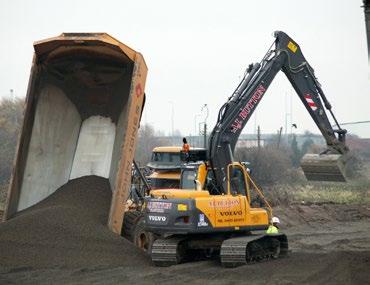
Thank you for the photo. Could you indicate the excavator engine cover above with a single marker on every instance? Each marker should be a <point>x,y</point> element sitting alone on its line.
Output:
<point>323,167</point>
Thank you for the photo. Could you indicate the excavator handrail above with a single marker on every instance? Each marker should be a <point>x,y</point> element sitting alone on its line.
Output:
<point>260,194</point>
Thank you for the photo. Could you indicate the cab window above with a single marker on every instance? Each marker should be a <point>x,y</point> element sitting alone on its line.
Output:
<point>175,157</point>
<point>210,184</point>
<point>157,156</point>
<point>187,179</point>
<point>166,157</point>
<point>160,183</point>
<point>237,182</point>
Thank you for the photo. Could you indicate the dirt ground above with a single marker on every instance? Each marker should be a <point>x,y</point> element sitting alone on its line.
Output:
<point>330,244</point>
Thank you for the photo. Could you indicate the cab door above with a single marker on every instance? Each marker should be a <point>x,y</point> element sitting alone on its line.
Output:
<point>230,209</point>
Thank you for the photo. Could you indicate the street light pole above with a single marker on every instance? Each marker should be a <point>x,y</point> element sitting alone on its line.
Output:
<point>205,107</point>
<point>195,128</point>
<point>172,120</point>
<point>14,106</point>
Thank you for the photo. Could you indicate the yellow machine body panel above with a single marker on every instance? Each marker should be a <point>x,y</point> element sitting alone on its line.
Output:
<point>172,175</point>
<point>202,174</point>
<point>178,194</point>
<point>231,211</point>
<point>209,210</point>
<point>221,210</point>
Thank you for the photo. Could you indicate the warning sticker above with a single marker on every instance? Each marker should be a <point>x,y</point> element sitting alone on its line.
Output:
<point>292,47</point>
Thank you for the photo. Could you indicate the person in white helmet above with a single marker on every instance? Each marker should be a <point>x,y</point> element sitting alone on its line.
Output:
<point>274,226</point>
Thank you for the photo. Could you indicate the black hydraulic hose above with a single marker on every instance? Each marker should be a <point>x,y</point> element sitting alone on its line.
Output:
<point>142,176</point>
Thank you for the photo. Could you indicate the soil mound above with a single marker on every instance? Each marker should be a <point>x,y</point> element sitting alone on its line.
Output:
<point>295,215</point>
<point>67,229</point>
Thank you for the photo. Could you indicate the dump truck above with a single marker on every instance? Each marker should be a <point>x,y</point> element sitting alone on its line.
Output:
<point>83,108</point>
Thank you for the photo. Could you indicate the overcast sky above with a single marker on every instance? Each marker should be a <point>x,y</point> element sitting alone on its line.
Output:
<point>197,51</point>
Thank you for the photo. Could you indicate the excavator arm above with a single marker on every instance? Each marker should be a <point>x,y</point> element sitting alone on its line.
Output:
<point>236,112</point>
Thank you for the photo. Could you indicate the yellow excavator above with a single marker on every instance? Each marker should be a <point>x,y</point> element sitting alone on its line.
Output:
<point>199,201</point>
<point>216,216</point>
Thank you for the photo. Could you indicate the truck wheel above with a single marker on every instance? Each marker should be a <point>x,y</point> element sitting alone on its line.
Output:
<point>142,238</point>
<point>130,221</point>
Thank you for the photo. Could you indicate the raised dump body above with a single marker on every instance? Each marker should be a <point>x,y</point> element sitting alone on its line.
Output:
<point>83,107</point>
<point>367,23</point>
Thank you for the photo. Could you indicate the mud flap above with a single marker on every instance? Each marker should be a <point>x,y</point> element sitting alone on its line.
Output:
<point>323,167</point>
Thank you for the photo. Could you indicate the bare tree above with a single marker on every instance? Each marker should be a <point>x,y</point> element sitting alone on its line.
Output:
<point>147,140</point>
<point>269,165</point>
<point>11,113</point>
<point>11,116</point>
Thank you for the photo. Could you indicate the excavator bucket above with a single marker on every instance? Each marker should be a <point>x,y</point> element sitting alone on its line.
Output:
<point>323,167</point>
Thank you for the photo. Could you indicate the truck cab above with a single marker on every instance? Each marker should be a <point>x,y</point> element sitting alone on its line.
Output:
<point>167,164</point>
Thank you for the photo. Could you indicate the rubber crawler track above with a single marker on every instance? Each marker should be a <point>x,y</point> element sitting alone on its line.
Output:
<point>234,251</point>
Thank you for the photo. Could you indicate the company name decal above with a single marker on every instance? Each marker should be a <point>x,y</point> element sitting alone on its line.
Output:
<point>244,113</point>
<point>159,207</point>
<point>224,203</point>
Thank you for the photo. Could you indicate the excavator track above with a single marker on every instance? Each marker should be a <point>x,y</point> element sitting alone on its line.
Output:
<point>242,250</point>
<point>168,251</point>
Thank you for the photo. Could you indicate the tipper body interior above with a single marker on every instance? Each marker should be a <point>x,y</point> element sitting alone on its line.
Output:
<point>77,117</point>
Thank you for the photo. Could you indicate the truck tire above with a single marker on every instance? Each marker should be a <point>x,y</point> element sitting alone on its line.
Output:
<point>142,238</point>
<point>130,221</point>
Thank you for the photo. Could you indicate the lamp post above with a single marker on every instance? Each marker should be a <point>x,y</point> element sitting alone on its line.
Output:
<point>14,106</point>
<point>205,107</point>
<point>195,127</point>
<point>172,120</point>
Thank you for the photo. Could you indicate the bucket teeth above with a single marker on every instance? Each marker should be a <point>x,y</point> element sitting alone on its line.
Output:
<point>324,167</point>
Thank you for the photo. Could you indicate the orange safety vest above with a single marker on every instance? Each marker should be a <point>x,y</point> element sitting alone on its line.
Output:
<point>185,147</point>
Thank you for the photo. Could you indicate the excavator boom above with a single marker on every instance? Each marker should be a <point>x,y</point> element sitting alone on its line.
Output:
<point>235,113</point>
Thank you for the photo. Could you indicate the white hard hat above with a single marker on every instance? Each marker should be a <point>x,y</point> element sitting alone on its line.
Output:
<point>275,220</point>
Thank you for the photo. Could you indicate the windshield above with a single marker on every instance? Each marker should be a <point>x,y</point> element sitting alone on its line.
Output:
<point>164,183</point>
<point>166,157</point>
